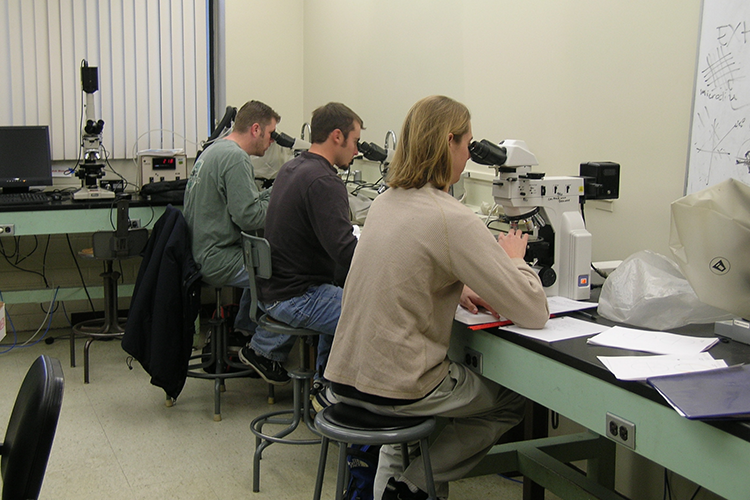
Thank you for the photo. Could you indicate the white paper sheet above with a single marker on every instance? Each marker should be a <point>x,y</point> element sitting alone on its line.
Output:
<point>559,329</point>
<point>643,367</point>
<point>480,318</point>
<point>656,342</point>
<point>559,305</point>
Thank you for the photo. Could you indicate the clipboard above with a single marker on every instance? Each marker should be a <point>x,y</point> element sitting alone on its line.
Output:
<point>722,394</point>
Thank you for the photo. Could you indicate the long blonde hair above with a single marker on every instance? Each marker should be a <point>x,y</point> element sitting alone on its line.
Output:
<point>423,154</point>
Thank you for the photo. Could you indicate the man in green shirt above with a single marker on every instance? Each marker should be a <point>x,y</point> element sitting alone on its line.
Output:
<point>222,199</point>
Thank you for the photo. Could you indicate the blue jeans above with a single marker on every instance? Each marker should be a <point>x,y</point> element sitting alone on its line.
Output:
<point>318,309</point>
<point>242,321</point>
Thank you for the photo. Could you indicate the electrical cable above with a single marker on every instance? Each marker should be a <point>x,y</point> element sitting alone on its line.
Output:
<point>126,183</point>
<point>47,319</point>
<point>44,261</point>
<point>510,478</point>
<point>554,419</point>
<point>72,169</point>
<point>20,259</point>
<point>696,493</point>
<point>17,254</point>
<point>599,272</point>
<point>667,488</point>
<point>65,313</point>
<point>153,214</point>
<point>80,274</point>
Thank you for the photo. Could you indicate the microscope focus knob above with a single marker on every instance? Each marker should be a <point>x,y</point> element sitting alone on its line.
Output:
<point>547,275</point>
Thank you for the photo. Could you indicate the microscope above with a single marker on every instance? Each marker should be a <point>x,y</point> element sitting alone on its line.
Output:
<point>91,169</point>
<point>547,209</point>
<point>384,156</point>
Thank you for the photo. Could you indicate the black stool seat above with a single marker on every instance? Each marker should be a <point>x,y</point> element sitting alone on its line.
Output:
<point>354,418</point>
<point>348,424</point>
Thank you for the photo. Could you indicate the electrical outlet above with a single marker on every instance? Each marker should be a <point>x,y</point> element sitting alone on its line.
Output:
<point>473,360</point>
<point>134,223</point>
<point>7,229</point>
<point>621,430</point>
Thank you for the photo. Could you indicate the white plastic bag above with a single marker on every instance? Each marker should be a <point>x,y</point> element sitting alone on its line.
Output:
<point>710,241</point>
<point>649,291</point>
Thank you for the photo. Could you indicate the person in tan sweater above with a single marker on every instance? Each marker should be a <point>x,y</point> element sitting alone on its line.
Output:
<point>421,253</point>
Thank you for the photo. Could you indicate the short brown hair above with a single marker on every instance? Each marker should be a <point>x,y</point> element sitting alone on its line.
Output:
<point>423,154</point>
<point>254,112</point>
<point>330,117</point>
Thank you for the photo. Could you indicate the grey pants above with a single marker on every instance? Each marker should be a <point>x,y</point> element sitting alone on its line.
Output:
<point>480,411</point>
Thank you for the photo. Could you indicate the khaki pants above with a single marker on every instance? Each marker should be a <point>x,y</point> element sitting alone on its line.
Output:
<point>480,411</point>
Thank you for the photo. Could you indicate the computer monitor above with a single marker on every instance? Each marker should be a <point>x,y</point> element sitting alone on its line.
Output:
<point>25,158</point>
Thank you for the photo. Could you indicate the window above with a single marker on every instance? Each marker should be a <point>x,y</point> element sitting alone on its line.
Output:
<point>152,57</point>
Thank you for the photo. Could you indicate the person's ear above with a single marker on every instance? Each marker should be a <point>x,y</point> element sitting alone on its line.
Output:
<point>338,136</point>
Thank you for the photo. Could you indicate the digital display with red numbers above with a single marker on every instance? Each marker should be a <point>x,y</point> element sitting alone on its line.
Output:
<point>168,163</point>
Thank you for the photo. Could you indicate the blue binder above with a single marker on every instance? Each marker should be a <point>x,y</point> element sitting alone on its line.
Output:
<point>714,394</point>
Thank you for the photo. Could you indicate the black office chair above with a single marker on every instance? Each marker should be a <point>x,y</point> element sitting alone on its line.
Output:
<point>31,430</point>
<point>123,243</point>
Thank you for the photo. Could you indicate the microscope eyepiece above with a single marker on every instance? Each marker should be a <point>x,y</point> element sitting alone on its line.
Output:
<point>282,139</point>
<point>485,152</point>
<point>372,151</point>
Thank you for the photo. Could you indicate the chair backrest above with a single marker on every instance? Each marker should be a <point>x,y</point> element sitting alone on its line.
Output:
<point>257,253</point>
<point>122,243</point>
<point>31,430</point>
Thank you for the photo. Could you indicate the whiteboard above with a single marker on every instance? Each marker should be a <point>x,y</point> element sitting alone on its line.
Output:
<point>720,123</point>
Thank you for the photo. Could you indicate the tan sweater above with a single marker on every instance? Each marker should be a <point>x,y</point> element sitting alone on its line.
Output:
<point>418,248</point>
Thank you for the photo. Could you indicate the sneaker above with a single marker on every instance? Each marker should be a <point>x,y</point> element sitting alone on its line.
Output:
<point>269,370</point>
<point>396,490</point>
<point>319,396</point>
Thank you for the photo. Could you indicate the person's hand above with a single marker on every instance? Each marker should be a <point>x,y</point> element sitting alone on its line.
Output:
<point>514,243</point>
<point>472,302</point>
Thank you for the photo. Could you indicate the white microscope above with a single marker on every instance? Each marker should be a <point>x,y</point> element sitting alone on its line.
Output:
<point>546,208</point>
<point>91,169</point>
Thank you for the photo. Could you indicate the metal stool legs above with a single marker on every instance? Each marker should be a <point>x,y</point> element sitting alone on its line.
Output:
<point>99,329</point>
<point>218,358</point>
<point>300,413</point>
<point>346,424</point>
<point>342,475</point>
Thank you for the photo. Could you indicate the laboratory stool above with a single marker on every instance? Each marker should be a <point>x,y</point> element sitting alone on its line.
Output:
<point>300,412</point>
<point>108,246</point>
<point>257,257</point>
<point>218,360</point>
<point>347,425</point>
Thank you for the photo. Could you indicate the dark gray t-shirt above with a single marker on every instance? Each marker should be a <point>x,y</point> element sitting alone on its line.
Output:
<point>308,227</point>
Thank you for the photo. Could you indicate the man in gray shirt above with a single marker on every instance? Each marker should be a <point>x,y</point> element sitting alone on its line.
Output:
<point>222,199</point>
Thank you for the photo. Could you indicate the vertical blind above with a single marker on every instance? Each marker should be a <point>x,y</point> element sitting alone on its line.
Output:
<point>152,57</point>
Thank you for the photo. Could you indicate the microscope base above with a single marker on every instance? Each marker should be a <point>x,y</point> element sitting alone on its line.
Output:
<point>86,193</point>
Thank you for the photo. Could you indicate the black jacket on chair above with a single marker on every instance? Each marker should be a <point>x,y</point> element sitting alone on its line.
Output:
<point>165,303</point>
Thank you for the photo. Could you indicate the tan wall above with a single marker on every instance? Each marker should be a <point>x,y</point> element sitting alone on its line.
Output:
<point>583,80</point>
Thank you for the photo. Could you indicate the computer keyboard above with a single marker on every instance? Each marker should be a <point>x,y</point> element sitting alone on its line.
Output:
<point>14,199</point>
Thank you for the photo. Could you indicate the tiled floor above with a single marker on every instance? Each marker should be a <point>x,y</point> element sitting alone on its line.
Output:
<point>116,439</point>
